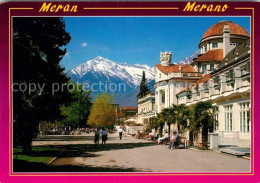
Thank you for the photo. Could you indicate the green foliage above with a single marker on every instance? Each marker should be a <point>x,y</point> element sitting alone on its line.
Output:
<point>198,119</point>
<point>152,123</point>
<point>189,94</point>
<point>143,87</point>
<point>77,112</point>
<point>204,119</point>
<point>160,119</point>
<point>37,52</point>
<point>102,112</point>
<point>178,114</point>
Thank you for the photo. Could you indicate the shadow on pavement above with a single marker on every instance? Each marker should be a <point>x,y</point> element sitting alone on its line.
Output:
<point>74,150</point>
<point>101,147</point>
<point>25,166</point>
<point>63,138</point>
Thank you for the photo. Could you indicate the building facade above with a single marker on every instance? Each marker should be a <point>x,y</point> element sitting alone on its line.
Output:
<point>146,109</point>
<point>221,74</point>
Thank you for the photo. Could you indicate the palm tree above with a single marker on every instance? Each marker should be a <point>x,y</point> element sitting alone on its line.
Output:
<point>204,118</point>
<point>160,119</point>
<point>152,124</point>
<point>185,115</point>
<point>175,115</point>
<point>168,117</point>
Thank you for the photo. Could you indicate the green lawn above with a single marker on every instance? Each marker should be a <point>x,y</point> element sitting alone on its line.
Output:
<point>38,155</point>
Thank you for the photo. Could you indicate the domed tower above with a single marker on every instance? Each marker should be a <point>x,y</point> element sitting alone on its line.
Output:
<point>216,43</point>
<point>224,35</point>
<point>165,58</point>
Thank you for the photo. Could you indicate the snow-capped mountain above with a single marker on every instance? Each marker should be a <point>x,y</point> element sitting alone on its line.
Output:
<point>189,59</point>
<point>103,67</point>
<point>105,71</point>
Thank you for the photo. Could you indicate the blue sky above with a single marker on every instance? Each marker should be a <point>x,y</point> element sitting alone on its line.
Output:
<point>136,39</point>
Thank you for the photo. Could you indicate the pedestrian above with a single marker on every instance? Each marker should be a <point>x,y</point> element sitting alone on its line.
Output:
<point>120,131</point>
<point>97,134</point>
<point>104,135</point>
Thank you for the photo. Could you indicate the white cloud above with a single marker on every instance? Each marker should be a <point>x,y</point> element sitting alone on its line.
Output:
<point>84,44</point>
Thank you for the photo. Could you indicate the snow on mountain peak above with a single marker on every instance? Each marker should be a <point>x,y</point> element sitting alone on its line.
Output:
<point>100,66</point>
<point>189,59</point>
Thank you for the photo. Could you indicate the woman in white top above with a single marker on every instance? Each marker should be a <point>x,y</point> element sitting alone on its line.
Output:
<point>165,137</point>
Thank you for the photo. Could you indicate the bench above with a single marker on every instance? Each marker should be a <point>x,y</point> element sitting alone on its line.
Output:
<point>183,143</point>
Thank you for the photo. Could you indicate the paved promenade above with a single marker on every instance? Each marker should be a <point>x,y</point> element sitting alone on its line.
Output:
<point>132,154</point>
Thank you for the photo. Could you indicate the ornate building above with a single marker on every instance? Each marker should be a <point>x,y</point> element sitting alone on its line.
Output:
<point>146,109</point>
<point>221,74</point>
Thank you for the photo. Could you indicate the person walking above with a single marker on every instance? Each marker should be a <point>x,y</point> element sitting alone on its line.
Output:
<point>120,131</point>
<point>97,135</point>
<point>104,135</point>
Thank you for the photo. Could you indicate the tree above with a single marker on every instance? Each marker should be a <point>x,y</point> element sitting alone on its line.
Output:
<point>168,116</point>
<point>102,112</point>
<point>37,51</point>
<point>143,87</point>
<point>184,118</point>
<point>160,118</point>
<point>204,118</point>
<point>176,114</point>
<point>77,112</point>
<point>152,123</point>
<point>172,115</point>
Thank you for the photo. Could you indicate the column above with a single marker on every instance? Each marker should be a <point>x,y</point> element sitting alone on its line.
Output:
<point>150,105</point>
<point>159,101</point>
<point>166,93</point>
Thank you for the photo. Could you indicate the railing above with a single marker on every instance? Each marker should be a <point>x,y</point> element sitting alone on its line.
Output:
<point>237,138</point>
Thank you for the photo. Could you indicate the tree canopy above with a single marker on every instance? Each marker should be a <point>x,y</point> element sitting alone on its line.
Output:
<point>38,47</point>
<point>143,87</point>
<point>204,118</point>
<point>77,112</point>
<point>103,112</point>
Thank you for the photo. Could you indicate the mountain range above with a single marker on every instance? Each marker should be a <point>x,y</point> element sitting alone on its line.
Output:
<point>121,79</point>
<point>189,59</point>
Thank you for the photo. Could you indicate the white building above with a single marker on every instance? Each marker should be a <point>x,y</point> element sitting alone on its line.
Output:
<point>220,74</point>
<point>146,109</point>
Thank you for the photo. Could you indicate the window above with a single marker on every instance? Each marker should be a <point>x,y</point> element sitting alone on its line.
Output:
<point>205,48</point>
<point>228,117</point>
<point>214,45</point>
<point>206,86</point>
<point>245,69</point>
<point>230,75</point>
<point>244,117</point>
<point>204,67</point>
<point>163,99</point>
<point>216,81</point>
<point>211,67</point>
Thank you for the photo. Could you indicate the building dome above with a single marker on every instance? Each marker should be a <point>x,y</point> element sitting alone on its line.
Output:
<point>217,29</point>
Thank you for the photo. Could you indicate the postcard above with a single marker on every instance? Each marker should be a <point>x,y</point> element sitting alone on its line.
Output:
<point>129,91</point>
